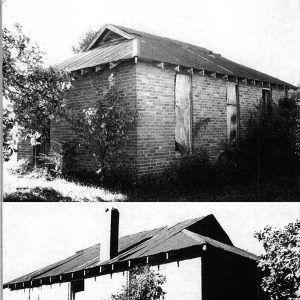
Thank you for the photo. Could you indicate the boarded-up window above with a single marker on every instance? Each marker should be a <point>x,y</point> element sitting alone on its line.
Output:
<point>266,102</point>
<point>182,112</point>
<point>232,111</point>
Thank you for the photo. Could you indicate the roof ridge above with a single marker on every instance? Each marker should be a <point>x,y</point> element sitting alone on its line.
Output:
<point>218,244</point>
<point>148,35</point>
<point>168,234</point>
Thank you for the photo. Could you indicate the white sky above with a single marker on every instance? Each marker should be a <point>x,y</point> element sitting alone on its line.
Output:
<point>262,34</point>
<point>35,235</point>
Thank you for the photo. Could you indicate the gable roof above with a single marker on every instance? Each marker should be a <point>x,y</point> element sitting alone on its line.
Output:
<point>182,236</point>
<point>145,46</point>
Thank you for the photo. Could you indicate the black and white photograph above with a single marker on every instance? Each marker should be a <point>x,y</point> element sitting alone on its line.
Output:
<point>151,101</point>
<point>150,150</point>
<point>200,251</point>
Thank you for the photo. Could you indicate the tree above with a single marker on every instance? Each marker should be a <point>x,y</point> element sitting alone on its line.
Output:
<point>33,94</point>
<point>84,41</point>
<point>281,262</point>
<point>272,135</point>
<point>144,284</point>
<point>102,129</point>
<point>270,148</point>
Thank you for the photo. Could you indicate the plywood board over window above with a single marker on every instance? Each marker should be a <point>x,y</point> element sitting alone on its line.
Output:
<point>232,111</point>
<point>183,112</point>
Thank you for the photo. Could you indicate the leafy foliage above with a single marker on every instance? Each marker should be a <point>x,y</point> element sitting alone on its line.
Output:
<point>269,148</point>
<point>53,162</point>
<point>102,129</point>
<point>21,167</point>
<point>272,138</point>
<point>191,174</point>
<point>84,41</point>
<point>33,94</point>
<point>296,96</point>
<point>281,262</point>
<point>144,284</point>
<point>9,132</point>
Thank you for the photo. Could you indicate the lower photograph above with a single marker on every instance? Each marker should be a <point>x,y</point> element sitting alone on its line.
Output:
<point>135,251</point>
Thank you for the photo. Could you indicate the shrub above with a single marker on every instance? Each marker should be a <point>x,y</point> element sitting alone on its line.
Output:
<point>69,151</point>
<point>120,176</point>
<point>102,130</point>
<point>21,167</point>
<point>236,163</point>
<point>280,262</point>
<point>269,148</point>
<point>144,284</point>
<point>192,172</point>
<point>272,137</point>
<point>52,162</point>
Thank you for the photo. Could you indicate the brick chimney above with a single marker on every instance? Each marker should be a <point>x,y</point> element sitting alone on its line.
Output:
<point>109,234</point>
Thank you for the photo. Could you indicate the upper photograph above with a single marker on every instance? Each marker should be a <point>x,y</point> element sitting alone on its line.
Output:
<point>150,109</point>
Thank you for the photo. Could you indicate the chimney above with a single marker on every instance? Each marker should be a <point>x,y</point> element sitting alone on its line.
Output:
<point>110,234</point>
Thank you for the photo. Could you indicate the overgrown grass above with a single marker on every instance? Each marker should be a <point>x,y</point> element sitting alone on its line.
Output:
<point>37,186</point>
<point>248,192</point>
<point>193,180</point>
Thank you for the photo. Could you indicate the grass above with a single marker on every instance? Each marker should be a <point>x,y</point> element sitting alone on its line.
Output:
<point>36,188</point>
<point>247,192</point>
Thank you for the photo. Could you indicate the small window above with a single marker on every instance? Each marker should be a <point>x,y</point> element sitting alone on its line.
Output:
<point>232,111</point>
<point>266,101</point>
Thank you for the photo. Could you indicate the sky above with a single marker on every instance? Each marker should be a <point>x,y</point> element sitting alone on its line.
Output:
<point>261,34</point>
<point>36,235</point>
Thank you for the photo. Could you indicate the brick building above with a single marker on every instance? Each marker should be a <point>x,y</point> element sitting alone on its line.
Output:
<point>174,86</point>
<point>197,257</point>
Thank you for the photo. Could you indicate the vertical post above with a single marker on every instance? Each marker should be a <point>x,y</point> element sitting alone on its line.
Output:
<point>71,292</point>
